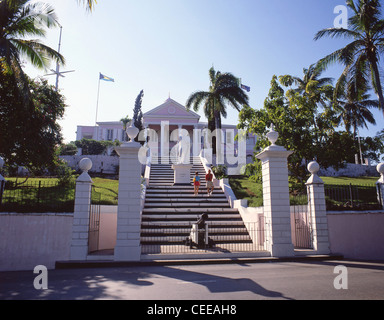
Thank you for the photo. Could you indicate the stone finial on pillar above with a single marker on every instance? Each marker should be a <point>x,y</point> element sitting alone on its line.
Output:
<point>80,229</point>
<point>380,184</point>
<point>314,168</point>
<point>85,165</point>
<point>129,204</point>
<point>276,197</point>
<point>317,209</point>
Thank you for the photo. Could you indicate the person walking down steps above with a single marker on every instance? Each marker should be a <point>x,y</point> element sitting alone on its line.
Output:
<point>210,186</point>
<point>196,183</point>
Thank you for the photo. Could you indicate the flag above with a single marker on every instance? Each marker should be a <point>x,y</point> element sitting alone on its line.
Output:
<point>246,88</point>
<point>105,78</point>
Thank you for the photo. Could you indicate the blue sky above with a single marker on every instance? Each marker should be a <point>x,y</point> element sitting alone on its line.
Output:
<point>167,47</point>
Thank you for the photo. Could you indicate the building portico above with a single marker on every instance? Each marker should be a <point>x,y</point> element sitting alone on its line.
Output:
<point>164,126</point>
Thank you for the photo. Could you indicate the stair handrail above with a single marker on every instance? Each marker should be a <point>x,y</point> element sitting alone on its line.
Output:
<point>206,165</point>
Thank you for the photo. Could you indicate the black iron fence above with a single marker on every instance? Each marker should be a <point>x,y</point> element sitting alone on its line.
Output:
<point>36,196</point>
<point>352,197</point>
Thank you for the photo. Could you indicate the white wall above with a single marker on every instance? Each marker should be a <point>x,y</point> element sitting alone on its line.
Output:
<point>357,235</point>
<point>28,240</point>
<point>350,170</point>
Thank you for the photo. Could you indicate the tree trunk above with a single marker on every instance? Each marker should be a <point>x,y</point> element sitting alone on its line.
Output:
<point>378,84</point>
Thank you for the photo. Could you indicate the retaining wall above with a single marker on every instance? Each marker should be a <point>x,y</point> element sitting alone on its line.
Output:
<point>28,240</point>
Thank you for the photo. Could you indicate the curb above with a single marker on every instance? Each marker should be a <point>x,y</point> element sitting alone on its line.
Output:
<point>60,265</point>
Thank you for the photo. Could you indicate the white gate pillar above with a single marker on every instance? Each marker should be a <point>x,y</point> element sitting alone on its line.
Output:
<point>318,210</point>
<point>80,229</point>
<point>276,198</point>
<point>128,246</point>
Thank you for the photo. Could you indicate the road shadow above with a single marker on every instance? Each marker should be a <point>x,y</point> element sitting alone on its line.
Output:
<point>112,283</point>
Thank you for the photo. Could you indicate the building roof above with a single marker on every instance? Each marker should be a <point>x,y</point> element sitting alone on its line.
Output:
<point>171,111</point>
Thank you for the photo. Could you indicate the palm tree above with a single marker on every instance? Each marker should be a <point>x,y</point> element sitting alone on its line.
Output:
<point>88,3</point>
<point>125,122</point>
<point>361,56</point>
<point>353,106</point>
<point>224,90</point>
<point>19,21</point>
<point>317,89</point>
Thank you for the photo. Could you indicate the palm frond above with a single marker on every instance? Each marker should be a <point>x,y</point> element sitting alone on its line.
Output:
<point>336,33</point>
<point>89,4</point>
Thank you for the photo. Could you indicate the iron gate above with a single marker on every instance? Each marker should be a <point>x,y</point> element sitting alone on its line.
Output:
<point>94,222</point>
<point>302,232</point>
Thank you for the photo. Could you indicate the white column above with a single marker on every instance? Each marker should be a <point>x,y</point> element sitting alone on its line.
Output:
<point>276,198</point>
<point>380,183</point>
<point>317,210</point>
<point>196,141</point>
<point>165,141</point>
<point>80,229</point>
<point>128,246</point>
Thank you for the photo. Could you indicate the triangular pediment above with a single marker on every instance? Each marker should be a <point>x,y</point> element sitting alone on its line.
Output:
<point>171,109</point>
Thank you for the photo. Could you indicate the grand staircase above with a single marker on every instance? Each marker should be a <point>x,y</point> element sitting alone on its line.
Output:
<point>170,211</point>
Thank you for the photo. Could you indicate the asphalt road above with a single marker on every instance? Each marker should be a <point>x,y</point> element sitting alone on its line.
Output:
<point>258,281</point>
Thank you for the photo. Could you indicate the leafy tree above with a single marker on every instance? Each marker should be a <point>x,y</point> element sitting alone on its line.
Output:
<point>69,149</point>
<point>302,127</point>
<point>224,90</point>
<point>372,148</point>
<point>29,133</point>
<point>93,147</point>
<point>361,56</point>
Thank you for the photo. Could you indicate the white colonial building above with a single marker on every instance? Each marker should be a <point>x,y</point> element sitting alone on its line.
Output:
<point>166,123</point>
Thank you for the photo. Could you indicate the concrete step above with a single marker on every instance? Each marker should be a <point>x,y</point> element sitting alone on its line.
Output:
<point>186,205</point>
<point>172,240</point>
<point>208,200</point>
<point>189,210</point>
<point>227,224</point>
<point>177,189</point>
<point>184,194</point>
<point>187,230</point>
<point>191,217</point>
<point>169,210</point>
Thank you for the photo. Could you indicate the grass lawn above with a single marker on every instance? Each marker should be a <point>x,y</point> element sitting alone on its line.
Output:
<point>45,195</point>
<point>355,181</point>
<point>246,189</point>
<point>106,191</point>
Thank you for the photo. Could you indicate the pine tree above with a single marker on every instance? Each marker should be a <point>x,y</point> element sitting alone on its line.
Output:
<point>137,113</point>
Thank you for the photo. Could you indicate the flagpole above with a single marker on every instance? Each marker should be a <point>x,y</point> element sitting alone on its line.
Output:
<point>97,103</point>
